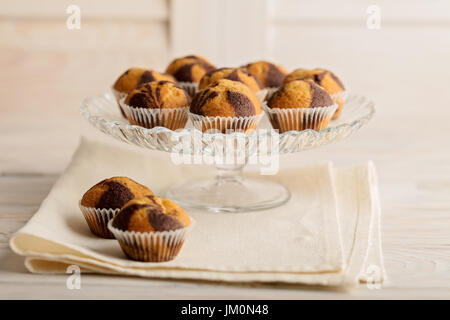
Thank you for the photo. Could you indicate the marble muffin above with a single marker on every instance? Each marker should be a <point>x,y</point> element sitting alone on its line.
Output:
<point>325,78</point>
<point>114,193</point>
<point>158,95</point>
<point>225,105</point>
<point>151,214</point>
<point>102,201</point>
<point>133,77</point>
<point>300,94</point>
<point>158,223</point>
<point>145,104</point>
<point>288,103</point>
<point>189,68</point>
<point>269,74</point>
<point>235,74</point>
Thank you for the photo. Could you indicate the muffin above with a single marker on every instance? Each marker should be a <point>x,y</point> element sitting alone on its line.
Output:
<point>190,68</point>
<point>102,201</point>
<point>235,74</point>
<point>300,105</point>
<point>225,105</point>
<point>133,77</point>
<point>151,229</point>
<point>326,79</point>
<point>269,74</point>
<point>157,103</point>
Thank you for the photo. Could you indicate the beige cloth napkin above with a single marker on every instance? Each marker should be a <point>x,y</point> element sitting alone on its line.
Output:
<point>327,234</point>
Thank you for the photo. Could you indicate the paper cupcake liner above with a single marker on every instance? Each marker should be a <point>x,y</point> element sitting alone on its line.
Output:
<point>171,118</point>
<point>261,95</point>
<point>224,124</point>
<point>190,87</point>
<point>265,93</point>
<point>97,220</point>
<point>339,99</point>
<point>300,118</point>
<point>156,246</point>
<point>119,95</point>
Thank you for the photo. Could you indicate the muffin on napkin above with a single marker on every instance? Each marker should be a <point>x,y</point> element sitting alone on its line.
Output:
<point>151,229</point>
<point>102,202</point>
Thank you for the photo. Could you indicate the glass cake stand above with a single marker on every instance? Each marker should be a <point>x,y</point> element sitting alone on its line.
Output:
<point>228,191</point>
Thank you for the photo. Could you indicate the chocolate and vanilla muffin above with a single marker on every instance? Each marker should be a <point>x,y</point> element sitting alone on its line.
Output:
<point>157,103</point>
<point>113,193</point>
<point>235,74</point>
<point>151,214</point>
<point>225,105</point>
<point>151,229</point>
<point>102,201</point>
<point>326,79</point>
<point>134,77</point>
<point>189,68</point>
<point>300,105</point>
<point>269,74</point>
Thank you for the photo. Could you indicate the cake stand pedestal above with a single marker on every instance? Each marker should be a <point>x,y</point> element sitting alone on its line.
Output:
<point>229,191</point>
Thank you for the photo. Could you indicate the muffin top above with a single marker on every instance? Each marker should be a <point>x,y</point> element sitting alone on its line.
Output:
<point>225,98</point>
<point>268,73</point>
<point>324,78</point>
<point>150,214</point>
<point>113,193</point>
<point>300,94</point>
<point>190,68</point>
<point>158,95</point>
<point>235,74</point>
<point>133,77</point>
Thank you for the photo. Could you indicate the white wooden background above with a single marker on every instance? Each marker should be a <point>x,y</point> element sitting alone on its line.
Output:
<point>46,70</point>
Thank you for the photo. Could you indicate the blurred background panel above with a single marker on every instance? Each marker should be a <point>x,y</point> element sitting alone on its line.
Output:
<point>41,53</point>
<point>45,57</point>
<point>48,69</point>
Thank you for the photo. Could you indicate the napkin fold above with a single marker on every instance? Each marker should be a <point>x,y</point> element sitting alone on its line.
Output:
<point>327,234</point>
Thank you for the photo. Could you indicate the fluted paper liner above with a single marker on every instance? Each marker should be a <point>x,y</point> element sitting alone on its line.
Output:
<point>171,118</point>
<point>190,87</point>
<point>97,220</point>
<point>339,99</point>
<point>158,246</point>
<point>119,95</point>
<point>261,94</point>
<point>287,119</point>
<point>264,93</point>
<point>225,124</point>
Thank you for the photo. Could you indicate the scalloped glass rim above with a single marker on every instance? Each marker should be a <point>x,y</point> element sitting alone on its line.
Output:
<point>347,127</point>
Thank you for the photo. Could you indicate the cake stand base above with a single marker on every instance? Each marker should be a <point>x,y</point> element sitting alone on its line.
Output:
<point>230,192</point>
